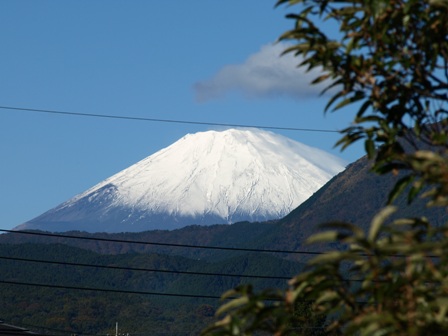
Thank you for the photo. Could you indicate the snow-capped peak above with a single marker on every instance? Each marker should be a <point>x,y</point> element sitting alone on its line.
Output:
<point>227,176</point>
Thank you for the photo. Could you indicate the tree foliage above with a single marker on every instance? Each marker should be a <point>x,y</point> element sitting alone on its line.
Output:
<point>388,59</point>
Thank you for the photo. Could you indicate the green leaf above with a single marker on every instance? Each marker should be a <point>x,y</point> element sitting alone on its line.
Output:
<point>321,79</point>
<point>327,236</point>
<point>399,187</point>
<point>443,309</point>
<point>329,87</point>
<point>327,296</point>
<point>333,99</point>
<point>370,148</point>
<point>358,96</point>
<point>233,304</point>
<point>344,226</point>
<point>363,108</point>
<point>331,257</point>
<point>415,190</point>
<point>378,221</point>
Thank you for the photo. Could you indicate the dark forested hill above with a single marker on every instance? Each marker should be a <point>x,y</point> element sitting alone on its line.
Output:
<point>163,241</point>
<point>353,196</point>
<point>90,299</point>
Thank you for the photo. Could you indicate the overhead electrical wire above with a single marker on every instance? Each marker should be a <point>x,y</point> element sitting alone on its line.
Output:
<point>64,263</point>
<point>128,269</point>
<point>134,291</point>
<point>163,244</point>
<point>120,291</point>
<point>140,333</point>
<point>174,121</point>
<point>59,331</point>
<point>137,269</point>
<point>224,248</point>
<point>116,291</point>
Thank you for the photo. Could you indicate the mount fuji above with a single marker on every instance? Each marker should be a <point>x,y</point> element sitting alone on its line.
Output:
<point>205,178</point>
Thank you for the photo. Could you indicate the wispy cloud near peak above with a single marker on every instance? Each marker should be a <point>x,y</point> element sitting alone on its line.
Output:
<point>265,74</point>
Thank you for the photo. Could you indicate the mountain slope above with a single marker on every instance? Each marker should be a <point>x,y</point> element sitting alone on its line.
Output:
<point>354,196</point>
<point>204,178</point>
<point>164,279</point>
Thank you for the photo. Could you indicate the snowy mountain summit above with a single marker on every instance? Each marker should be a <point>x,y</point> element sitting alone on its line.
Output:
<point>205,178</point>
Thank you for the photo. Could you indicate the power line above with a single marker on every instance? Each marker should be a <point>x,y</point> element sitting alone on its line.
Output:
<point>198,246</point>
<point>9,329</point>
<point>163,244</point>
<point>64,263</point>
<point>120,291</point>
<point>116,291</point>
<point>109,116</point>
<point>71,332</point>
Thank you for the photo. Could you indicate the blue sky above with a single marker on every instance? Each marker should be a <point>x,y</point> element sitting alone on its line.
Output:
<point>199,60</point>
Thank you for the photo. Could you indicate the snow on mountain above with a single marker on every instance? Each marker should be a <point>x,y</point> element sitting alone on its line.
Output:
<point>204,178</point>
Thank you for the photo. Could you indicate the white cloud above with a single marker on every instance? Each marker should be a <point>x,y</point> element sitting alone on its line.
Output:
<point>264,74</point>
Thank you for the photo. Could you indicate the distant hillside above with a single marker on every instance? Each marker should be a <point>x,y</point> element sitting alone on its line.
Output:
<point>353,196</point>
<point>95,312</point>
<point>236,235</point>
